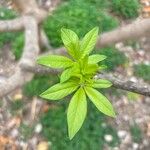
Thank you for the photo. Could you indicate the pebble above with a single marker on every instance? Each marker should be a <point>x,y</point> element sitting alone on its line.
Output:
<point>135,146</point>
<point>38,128</point>
<point>126,118</point>
<point>145,142</point>
<point>122,133</point>
<point>133,79</point>
<point>14,133</point>
<point>115,148</point>
<point>127,139</point>
<point>108,138</point>
<point>22,144</point>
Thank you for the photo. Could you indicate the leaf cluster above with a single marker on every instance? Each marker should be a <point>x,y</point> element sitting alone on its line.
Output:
<point>79,70</point>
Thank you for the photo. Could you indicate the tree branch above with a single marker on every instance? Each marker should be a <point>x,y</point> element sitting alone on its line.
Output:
<point>132,31</point>
<point>118,82</point>
<point>12,25</point>
<point>128,85</point>
<point>30,53</point>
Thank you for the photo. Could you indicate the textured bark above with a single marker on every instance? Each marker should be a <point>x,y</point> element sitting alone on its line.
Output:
<point>132,31</point>
<point>124,84</point>
<point>30,53</point>
<point>118,82</point>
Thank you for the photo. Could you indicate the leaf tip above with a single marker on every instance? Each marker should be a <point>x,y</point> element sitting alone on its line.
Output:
<point>63,29</point>
<point>96,29</point>
<point>71,137</point>
<point>114,115</point>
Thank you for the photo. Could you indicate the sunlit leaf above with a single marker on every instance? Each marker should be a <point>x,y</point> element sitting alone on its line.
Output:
<point>68,73</point>
<point>59,91</point>
<point>55,61</point>
<point>76,112</point>
<point>100,101</point>
<point>93,59</point>
<point>89,41</point>
<point>71,42</point>
<point>91,69</point>
<point>101,83</point>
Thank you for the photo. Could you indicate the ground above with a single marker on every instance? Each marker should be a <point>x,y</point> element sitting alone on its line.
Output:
<point>21,126</point>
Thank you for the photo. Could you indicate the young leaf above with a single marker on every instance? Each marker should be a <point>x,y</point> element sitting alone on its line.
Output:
<point>76,112</point>
<point>91,69</point>
<point>89,41</point>
<point>68,73</point>
<point>101,83</point>
<point>93,59</point>
<point>83,62</point>
<point>100,101</point>
<point>71,42</point>
<point>55,61</point>
<point>59,91</point>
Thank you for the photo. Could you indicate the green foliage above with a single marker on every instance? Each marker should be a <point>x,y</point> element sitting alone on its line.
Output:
<point>80,80</point>
<point>38,84</point>
<point>91,135</point>
<point>136,133</point>
<point>101,83</point>
<point>96,58</point>
<point>15,39</point>
<point>100,101</point>
<point>126,8</point>
<point>55,61</point>
<point>59,91</point>
<point>80,19</point>
<point>17,46</point>
<point>142,71</point>
<point>77,106</point>
<point>100,4</point>
<point>114,58</point>
<point>6,13</point>
<point>6,37</point>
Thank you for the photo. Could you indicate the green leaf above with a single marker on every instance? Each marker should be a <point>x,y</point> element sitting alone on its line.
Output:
<point>71,42</point>
<point>102,67</point>
<point>83,62</point>
<point>100,101</point>
<point>59,91</point>
<point>93,59</point>
<point>91,69</point>
<point>55,61</point>
<point>76,112</point>
<point>89,41</point>
<point>68,73</point>
<point>101,83</point>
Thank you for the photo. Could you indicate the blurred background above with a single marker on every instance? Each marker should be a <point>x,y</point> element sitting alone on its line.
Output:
<point>130,130</point>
